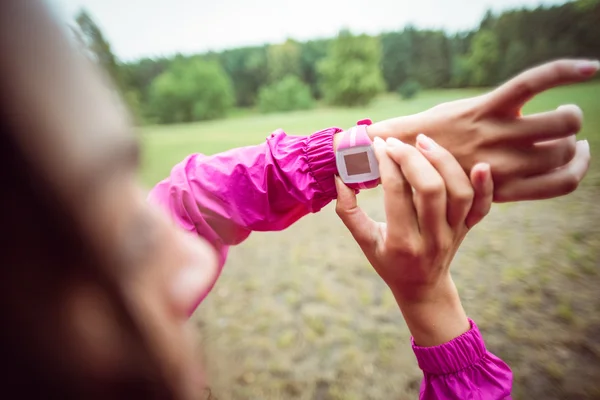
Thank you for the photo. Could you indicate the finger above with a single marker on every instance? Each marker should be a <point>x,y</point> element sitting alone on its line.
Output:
<point>483,186</point>
<point>402,225</point>
<point>536,159</point>
<point>512,95</point>
<point>430,190</point>
<point>458,188</point>
<point>360,225</point>
<point>556,183</point>
<point>557,153</point>
<point>563,122</point>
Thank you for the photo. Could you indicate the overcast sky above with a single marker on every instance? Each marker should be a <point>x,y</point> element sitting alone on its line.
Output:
<point>137,28</point>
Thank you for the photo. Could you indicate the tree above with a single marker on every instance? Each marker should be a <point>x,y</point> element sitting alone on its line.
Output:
<point>587,5</point>
<point>461,72</point>
<point>283,60</point>
<point>98,46</point>
<point>516,60</point>
<point>137,78</point>
<point>483,58</point>
<point>396,62</point>
<point>501,46</point>
<point>98,49</point>
<point>247,69</point>
<point>350,74</point>
<point>488,21</point>
<point>409,89</point>
<point>431,58</point>
<point>311,53</point>
<point>191,90</point>
<point>288,94</point>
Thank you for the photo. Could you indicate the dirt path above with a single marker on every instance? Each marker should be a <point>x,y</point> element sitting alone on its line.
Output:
<point>301,315</point>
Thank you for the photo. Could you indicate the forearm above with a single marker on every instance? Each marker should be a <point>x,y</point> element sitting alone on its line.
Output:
<point>404,128</point>
<point>433,315</point>
<point>266,187</point>
<point>450,349</point>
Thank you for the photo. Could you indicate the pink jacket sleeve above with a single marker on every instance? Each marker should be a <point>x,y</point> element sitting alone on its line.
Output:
<point>266,187</point>
<point>463,369</point>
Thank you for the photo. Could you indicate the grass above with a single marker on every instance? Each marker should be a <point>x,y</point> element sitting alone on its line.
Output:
<point>299,315</point>
<point>164,146</point>
<point>565,311</point>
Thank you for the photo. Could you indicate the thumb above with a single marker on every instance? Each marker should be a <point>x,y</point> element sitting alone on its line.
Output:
<point>360,225</point>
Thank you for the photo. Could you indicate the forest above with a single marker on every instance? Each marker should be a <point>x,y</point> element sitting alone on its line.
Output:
<point>348,70</point>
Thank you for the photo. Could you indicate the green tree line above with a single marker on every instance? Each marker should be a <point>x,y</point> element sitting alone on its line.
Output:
<point>347,70</point>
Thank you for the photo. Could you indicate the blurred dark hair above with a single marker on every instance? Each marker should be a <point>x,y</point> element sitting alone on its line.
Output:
<point>45,254</point>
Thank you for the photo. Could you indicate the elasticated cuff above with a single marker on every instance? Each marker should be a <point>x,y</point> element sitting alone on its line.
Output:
<point>321,161</point>
<point>460,353</point>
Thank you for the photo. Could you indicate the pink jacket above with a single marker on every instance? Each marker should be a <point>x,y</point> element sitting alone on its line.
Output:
<point>268,187</point>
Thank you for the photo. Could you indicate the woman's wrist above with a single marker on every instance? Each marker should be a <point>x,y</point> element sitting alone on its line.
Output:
<point>435,315</point>
<point>404,128</point>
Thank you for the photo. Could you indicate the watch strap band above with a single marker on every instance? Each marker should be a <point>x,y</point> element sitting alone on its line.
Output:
<point>357,136</point>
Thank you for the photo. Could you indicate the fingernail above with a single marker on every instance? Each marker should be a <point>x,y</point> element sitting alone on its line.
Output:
<point>588,68</point>
<point>587,145</point>
<point>392,141</point>
<point>484,169</point>
<point>575,108</point>
<point>575,115</point>
<point>425,142</point>
<point>378,142</point>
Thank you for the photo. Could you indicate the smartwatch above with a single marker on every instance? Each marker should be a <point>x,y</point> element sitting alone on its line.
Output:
<point>355,157</point>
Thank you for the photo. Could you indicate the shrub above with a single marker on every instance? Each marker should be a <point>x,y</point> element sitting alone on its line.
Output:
<point>191,90</point>
<point>350,74</point>
<point>409,89</point>
<point>288,94</point>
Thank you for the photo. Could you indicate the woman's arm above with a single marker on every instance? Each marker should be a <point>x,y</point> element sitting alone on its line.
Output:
<point>450,349</point>
<point>266,187</point>
<point>270,186</point>
<point>430,205</point>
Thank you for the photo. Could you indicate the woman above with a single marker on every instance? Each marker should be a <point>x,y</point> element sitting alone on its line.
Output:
<point>97,283</point>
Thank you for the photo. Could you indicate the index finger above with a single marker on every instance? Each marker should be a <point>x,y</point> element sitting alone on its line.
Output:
<point>512,95</point>
<point>430,197</point>
<point>402,225</point>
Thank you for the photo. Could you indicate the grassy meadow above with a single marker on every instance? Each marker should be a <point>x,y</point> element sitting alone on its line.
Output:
<point>301,315</point>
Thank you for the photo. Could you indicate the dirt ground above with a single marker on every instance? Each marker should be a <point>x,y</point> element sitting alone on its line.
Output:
<point>301,315</point>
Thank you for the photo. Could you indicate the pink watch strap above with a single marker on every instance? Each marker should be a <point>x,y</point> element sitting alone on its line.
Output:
<point>355,137</point>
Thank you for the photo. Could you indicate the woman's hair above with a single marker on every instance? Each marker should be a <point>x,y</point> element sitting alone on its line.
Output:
<point>49,259</point>
<point>46,255</point>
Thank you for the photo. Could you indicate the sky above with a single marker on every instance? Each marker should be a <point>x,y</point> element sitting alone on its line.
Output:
<point>150,28</point>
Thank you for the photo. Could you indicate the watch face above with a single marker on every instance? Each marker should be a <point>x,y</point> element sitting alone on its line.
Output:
<point>357,164</point>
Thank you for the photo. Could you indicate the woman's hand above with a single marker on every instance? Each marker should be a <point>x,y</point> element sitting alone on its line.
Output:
<point>532,157</point>
<point>430,204</point>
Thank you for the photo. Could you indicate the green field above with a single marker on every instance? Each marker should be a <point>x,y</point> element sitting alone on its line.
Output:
<point>301,315</point>
<point>166,145</point>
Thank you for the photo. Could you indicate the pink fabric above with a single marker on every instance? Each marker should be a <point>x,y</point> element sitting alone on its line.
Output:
<point>463,369</point>
<point>268,187</point>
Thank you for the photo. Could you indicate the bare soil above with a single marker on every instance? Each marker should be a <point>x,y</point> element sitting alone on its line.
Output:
<point>300,314</point>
